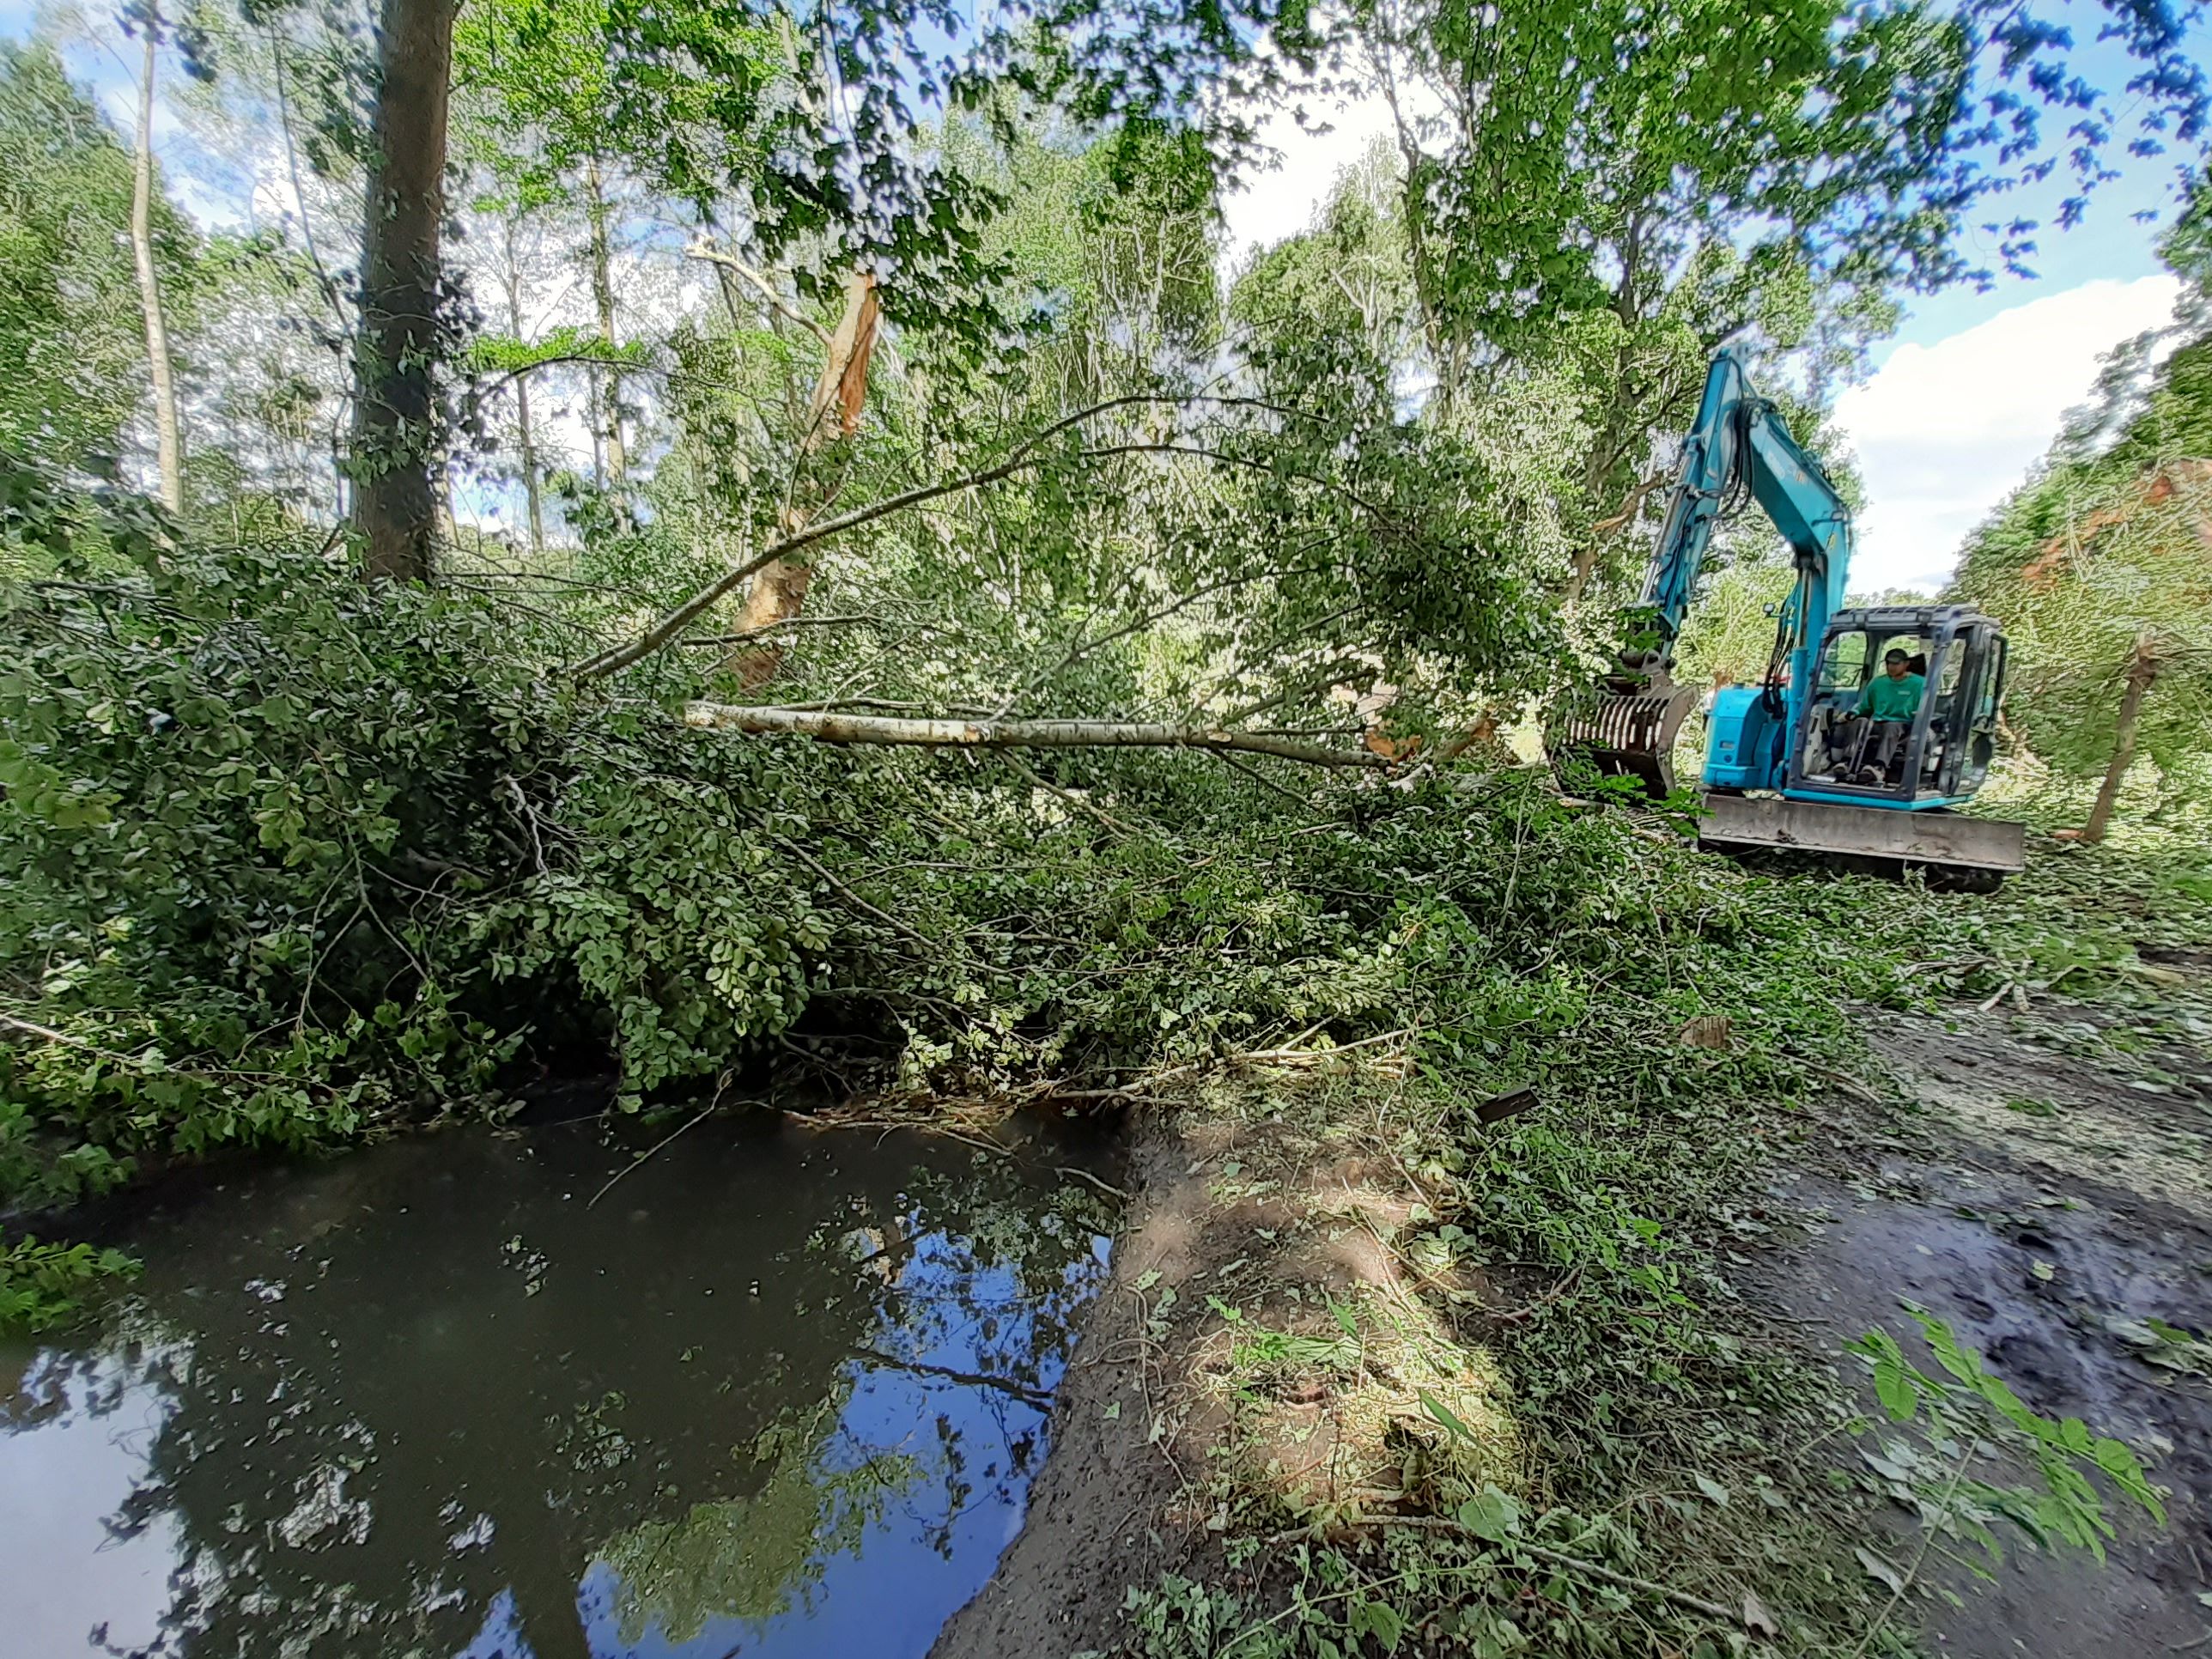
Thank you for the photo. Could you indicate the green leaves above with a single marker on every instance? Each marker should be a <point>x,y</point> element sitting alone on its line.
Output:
<point>41,1285</point>
<point>1369,1617</point>
<point>1445,1415</point>
<point>1968,1415</point>
<point>1893,1387</point>
<point>1492,1515</point>
<point>221,781</point>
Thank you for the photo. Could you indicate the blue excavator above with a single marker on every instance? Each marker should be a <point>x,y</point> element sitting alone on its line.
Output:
<point>1818,757</point>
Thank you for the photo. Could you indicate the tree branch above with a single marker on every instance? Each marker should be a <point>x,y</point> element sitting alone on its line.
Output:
<point>971,1379</point>
<point>829,727</point>
<point>765,288</point>
<point>616,657</point>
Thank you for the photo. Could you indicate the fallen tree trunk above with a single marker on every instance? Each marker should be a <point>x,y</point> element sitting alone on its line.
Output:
<point>826,726</point>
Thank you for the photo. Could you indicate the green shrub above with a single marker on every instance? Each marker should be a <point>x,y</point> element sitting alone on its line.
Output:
<point>41,1284</point>
<point>246,809</point>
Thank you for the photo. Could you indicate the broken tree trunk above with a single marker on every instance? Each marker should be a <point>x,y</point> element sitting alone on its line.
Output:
<point>2143,669</point>
<point>778,593</point>
<point>828,726</point>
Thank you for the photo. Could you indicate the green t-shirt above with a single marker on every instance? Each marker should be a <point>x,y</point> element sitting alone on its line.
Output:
<point>1892,699</point>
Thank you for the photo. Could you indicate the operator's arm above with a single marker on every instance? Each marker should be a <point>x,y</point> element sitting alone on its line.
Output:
<point>1866,699</point>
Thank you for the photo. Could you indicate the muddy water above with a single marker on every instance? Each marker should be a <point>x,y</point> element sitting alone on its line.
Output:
<point>778,1392</point>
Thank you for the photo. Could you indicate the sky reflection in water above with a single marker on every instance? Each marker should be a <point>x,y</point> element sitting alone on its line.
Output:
<point>781,1396</point>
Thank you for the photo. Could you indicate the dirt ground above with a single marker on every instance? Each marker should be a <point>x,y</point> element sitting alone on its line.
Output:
<point>1161,1416</point>
<point>2046,1208</point>
<point>2046,1205</point>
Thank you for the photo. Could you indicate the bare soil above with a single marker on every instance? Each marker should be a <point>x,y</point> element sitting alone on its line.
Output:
<point>1155,1419</point>
<point>2046,1208</point>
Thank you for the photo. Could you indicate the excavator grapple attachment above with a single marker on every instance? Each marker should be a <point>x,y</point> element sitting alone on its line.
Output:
<point>1624,730</point>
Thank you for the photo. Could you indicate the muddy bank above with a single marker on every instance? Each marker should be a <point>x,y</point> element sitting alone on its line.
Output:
<point>1094,1523</point>
<point>1243,1234</point>
<point>2050,1210</point>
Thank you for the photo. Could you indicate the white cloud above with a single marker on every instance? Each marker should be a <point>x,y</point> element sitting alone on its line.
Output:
<point>1943,432</point>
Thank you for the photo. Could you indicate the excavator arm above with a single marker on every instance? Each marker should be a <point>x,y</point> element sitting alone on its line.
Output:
<point>1738,448</point>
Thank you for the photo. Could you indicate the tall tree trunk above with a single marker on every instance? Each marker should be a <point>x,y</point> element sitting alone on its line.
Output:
<point>533,487</point>
<point>779,592</point>
<point>396,440</point>
<point>603,295</point>
<point>2143,669</point>
<point>167,436</point>
<point>525,434</point>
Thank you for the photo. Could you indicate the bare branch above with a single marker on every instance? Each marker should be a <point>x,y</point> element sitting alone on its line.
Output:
<point>761,284</point>
<point>825,726</point>
<point>746,636</point>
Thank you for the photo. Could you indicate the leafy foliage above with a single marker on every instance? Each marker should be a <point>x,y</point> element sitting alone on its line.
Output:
<point>1968,1417</point>
<point>221,778</point>
<point>41,1285</point>
<point>2099,564</point>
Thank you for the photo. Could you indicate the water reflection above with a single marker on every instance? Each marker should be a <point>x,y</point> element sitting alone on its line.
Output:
<point>782,1395</point>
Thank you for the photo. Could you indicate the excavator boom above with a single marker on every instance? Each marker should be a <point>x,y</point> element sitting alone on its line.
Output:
<point>1738,446</point>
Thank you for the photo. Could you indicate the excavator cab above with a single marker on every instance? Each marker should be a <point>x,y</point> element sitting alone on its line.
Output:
<point>1938,758</point>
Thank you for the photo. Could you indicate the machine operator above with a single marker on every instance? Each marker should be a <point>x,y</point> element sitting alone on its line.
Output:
<point>1892,699</point>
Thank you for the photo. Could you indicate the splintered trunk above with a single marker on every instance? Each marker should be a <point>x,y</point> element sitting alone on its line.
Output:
<point>779,592</point>
<point>603,296</point>
<point>167,436</point>
<point>2143,669</point>
<point>395,434</point>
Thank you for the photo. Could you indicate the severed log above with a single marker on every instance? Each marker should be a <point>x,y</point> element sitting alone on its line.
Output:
<point>831,726</point>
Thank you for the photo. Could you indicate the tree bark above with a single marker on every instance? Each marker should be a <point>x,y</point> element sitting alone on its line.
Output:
<point>396,440</point>
<point>603,297</point>
<point>526,436</point>
<point>2143,669</point>
<point>532,488</point>
<point>779,592</point>
<point>168,438</point>
<point>826,726</point>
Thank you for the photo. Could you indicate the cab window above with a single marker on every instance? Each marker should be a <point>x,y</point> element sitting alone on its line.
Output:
<point>1992,684</point>
<point>1954,663</point>
<point>1914,646</point>
<point>1843,665</point>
